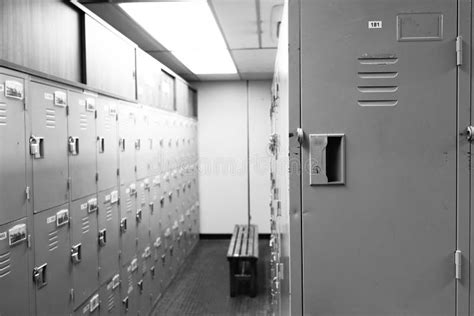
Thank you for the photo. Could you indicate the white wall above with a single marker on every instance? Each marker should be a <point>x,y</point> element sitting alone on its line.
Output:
<point>224,154</point>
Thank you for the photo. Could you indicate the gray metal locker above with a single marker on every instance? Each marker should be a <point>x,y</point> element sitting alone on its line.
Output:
<point>12,156</point>
<point>107,143</point>
<point>145,144</point>
<point>379,191</point>
<point>155,136</point>
<point>82,144</point>
<point>128,288</point>
<point>84,248</point>
<point>128,226</point>
<point>144,282</point>
<point>109,234</point>
<point>14,274</point>
<point>142,218</point>
<point>91,306</point>
<point>48,145</point>
<point>109,294</point>
<point>127,142</point>
<point>156,269</point>
<point>52,273</point>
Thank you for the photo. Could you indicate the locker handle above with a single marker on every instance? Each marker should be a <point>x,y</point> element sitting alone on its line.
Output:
<point>140,286</point>
<point>123,225</point>
<point>125,303</point>
<point>73,145</point>
<point>37,147</point>
<point>39,275</point>
<point>152,271</point>
<point>102,237</point>
<point>139,215</point>
<point>76,253</point>
<point>101,141</point>
<point>122,144</point>
<point>137,144</point>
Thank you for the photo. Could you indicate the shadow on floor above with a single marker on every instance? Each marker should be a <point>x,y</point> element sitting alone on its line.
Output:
<point>202,285</point>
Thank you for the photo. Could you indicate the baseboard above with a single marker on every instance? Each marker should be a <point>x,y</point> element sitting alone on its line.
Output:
<point>227,236</point>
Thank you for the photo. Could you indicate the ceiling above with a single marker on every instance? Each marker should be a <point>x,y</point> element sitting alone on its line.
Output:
<point>249,28</point>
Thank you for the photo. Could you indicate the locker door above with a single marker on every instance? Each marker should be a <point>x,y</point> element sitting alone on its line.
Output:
<point>142,218</point>
<point>49,138</point>
<point>109,293</point>
<point>128,227</point>
<point>84,248</point>
<point>107,143</point>
<point>128,288</point>
<point>379,191</point>
<point>14,274</point>
<point>12,155</point>
<point>127,142</point>
<point>82,144</point>
<point>53,271</point>
<point>109,232</point>
<point>91,306</point>
<point>144,284</point>
<point>145,143</point>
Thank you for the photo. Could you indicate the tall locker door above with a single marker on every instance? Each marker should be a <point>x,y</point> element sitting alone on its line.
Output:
<point>12,155</point>
<point>144,284</point>
<point>84,248</point>
<point>128,288</point>
<point>52,273</point>
<point>14,273</point>
<point>143,143</point>
<point>142,218</point>
<point>155,136</point>
<point>82,144</point>
<point>128,227</point>
<point>108,236</point>
<point>107,143</point>
<point>48,146</point>
<point>127,142</point>
<point>379,188</point>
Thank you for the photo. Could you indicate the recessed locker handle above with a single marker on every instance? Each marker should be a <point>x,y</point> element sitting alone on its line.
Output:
<point>101,141</point>
<point>76,253</point>
<point>37,147</point>
<point>73,145</point>
<point>326,159</point>
<point>102,237</point>
<point>122,144</point>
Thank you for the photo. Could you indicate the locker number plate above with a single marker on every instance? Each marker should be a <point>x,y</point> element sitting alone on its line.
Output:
<point>375,24</point>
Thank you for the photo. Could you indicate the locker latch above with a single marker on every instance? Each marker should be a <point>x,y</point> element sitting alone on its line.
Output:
<point>137,144</point>
<point>122,144</point>
<point>123,225</point>
<point>76,253</point>
<point>140,286</point>
<point>73,145</point>
<point>457,263</point>
<point>125,303</point>
<point>152,272</point>
<point>101,141</point>
<point>152,207</point>
<point>37,147</point>
<point>139,215</point>
<point>39,275</point>
<point>102,237</point>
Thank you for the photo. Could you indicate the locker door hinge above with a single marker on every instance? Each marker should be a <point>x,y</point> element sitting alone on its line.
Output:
<point>28,194</point>
<point>118,172</point>
<point>457,264</point>
<point>67,110</point>
<point>71,295</point>
<point>25,103</point>
<point>28,241</point>
<point>95,114</point>
<point>68,183</point>
<point>459,51</point>
<point>96,177</point>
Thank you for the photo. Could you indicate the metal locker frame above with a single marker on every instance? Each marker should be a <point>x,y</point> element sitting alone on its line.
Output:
<point>84,248</point>
<point>14,189</point>
<point>82,142</point>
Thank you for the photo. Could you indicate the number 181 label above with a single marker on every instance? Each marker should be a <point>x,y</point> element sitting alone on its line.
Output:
<point>375,24</point>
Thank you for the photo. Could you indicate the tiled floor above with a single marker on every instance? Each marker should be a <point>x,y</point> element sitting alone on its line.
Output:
<point>202,286</point>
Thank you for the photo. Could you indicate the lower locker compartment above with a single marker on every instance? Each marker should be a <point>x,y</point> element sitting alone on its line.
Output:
<point>109,295</point>
<point>129,289</point>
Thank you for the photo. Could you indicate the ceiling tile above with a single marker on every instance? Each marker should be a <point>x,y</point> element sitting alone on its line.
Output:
<point>238,20</point>
<point>255,60</point>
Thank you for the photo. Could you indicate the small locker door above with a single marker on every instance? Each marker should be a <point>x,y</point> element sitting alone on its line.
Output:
<point>144,143</point>
<point>128,227</point>
<point>108,236</point>
<point>82,144</point>
<point>49,146</point>
<point>127,142</point>
<point>378,187</point>
<point>14,273</point>
<point>52,273</point>
<point>109,294</point>
<point>12,154</point>
<point>84,248</point>
<point>142,217</point>
<point>107,143</point>
<point>129,288</point>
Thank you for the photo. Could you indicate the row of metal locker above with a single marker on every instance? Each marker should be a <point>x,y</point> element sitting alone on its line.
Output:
<point>99,200</point>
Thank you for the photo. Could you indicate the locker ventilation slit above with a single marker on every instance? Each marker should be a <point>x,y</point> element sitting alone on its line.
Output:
<point>3,114</point>
<point>107,123</point>
<point>50,118</point>
<point>53,240</point>
<point>110,302</point>
<point>83,121</point>
<point>85,225</point>
<point>108,213</point>
<point>4,264</point>
<point>377,81</point>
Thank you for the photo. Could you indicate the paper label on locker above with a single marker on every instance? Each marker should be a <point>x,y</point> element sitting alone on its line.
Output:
<point>51,219</point>
<point>60,98</point>
<point>107,198</point>
<point>82,102</point>
<point>48,96</point>
<point>113,196</point>
<point>112,110</point>
<point>127,190</point>
<point>62,217</point>
<point>17,234</point>
<point>14,89</point>
<point>90,104</point>
<point>84,206</point>
<point>1,87</point>
<point>3,235</point>
<point>375,24</point>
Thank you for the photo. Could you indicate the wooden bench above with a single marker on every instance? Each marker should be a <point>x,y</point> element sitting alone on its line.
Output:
<point>242,256</point>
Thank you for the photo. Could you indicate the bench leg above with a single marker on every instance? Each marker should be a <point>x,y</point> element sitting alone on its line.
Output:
<point>253,279</point>
<point>233,281</point>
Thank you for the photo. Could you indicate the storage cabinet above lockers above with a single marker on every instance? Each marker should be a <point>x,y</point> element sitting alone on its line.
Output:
<point>148,79</point>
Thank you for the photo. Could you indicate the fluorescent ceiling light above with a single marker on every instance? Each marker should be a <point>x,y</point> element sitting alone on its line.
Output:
<point>187,29</point>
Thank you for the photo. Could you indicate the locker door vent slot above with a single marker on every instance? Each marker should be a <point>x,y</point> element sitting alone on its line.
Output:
<point>4,264</point>
<point>327,159</point>
<point>83,121</point>
<point>3,113</point>
<point>50,118</point>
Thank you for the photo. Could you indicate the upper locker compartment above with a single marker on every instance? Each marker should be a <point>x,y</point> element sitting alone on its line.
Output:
<point>107,135</point>
<point>12,154</point>
<point>82,144</point>
<point>127,142</point>
<point>49,145</point>
<point>143,142</point>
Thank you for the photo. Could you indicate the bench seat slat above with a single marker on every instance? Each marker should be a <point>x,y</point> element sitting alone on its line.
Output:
<point>230,252</point>
<point>245,242</point>
<point>238,246</point>
<point>255,241</point>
